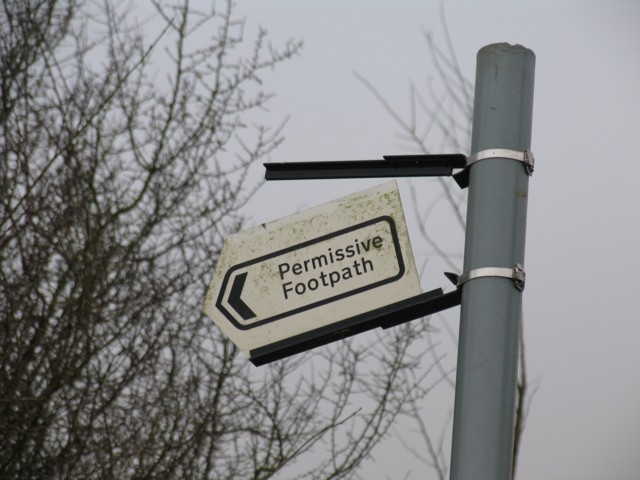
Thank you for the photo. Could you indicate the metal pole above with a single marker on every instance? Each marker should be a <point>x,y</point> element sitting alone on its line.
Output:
<point>483,425</point>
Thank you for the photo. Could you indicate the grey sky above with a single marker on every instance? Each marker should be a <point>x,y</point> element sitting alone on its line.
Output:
<point>581,325</point>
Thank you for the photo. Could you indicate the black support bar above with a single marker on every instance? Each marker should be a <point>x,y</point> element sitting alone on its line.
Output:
<point>385,317</point>
<point>392,166</point>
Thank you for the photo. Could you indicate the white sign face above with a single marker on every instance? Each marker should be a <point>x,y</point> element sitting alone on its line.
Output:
<point>312,269</point>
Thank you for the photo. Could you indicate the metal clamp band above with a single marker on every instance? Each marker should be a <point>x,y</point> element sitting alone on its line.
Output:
<point>516,273</point>
<point>525,157</point>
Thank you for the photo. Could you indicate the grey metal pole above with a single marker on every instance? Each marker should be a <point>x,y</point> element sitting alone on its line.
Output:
<point>482,445</point>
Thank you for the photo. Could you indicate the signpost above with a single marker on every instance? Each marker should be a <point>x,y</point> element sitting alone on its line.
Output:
<point>346,266</point>
<point>490,314</point>
<point>313,274</point>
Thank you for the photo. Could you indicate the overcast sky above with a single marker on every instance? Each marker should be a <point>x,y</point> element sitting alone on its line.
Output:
<point>581,324</point>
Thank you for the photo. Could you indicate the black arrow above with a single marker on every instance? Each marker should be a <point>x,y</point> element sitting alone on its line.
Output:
<point>234,297</point>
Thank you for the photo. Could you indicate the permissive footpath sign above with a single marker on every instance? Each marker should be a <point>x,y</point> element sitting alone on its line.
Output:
<point>313,274</point>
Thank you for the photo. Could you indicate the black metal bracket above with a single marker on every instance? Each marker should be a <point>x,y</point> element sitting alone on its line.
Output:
<point>388,316</point>
<point>462,178</point>
<point>392,166</point>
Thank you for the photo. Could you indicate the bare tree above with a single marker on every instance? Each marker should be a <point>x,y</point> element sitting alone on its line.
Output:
<point>123,165</point>
<point>439,120</point>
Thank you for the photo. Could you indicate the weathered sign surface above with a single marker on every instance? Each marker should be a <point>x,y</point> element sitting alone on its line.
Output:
<point>299,275</point>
